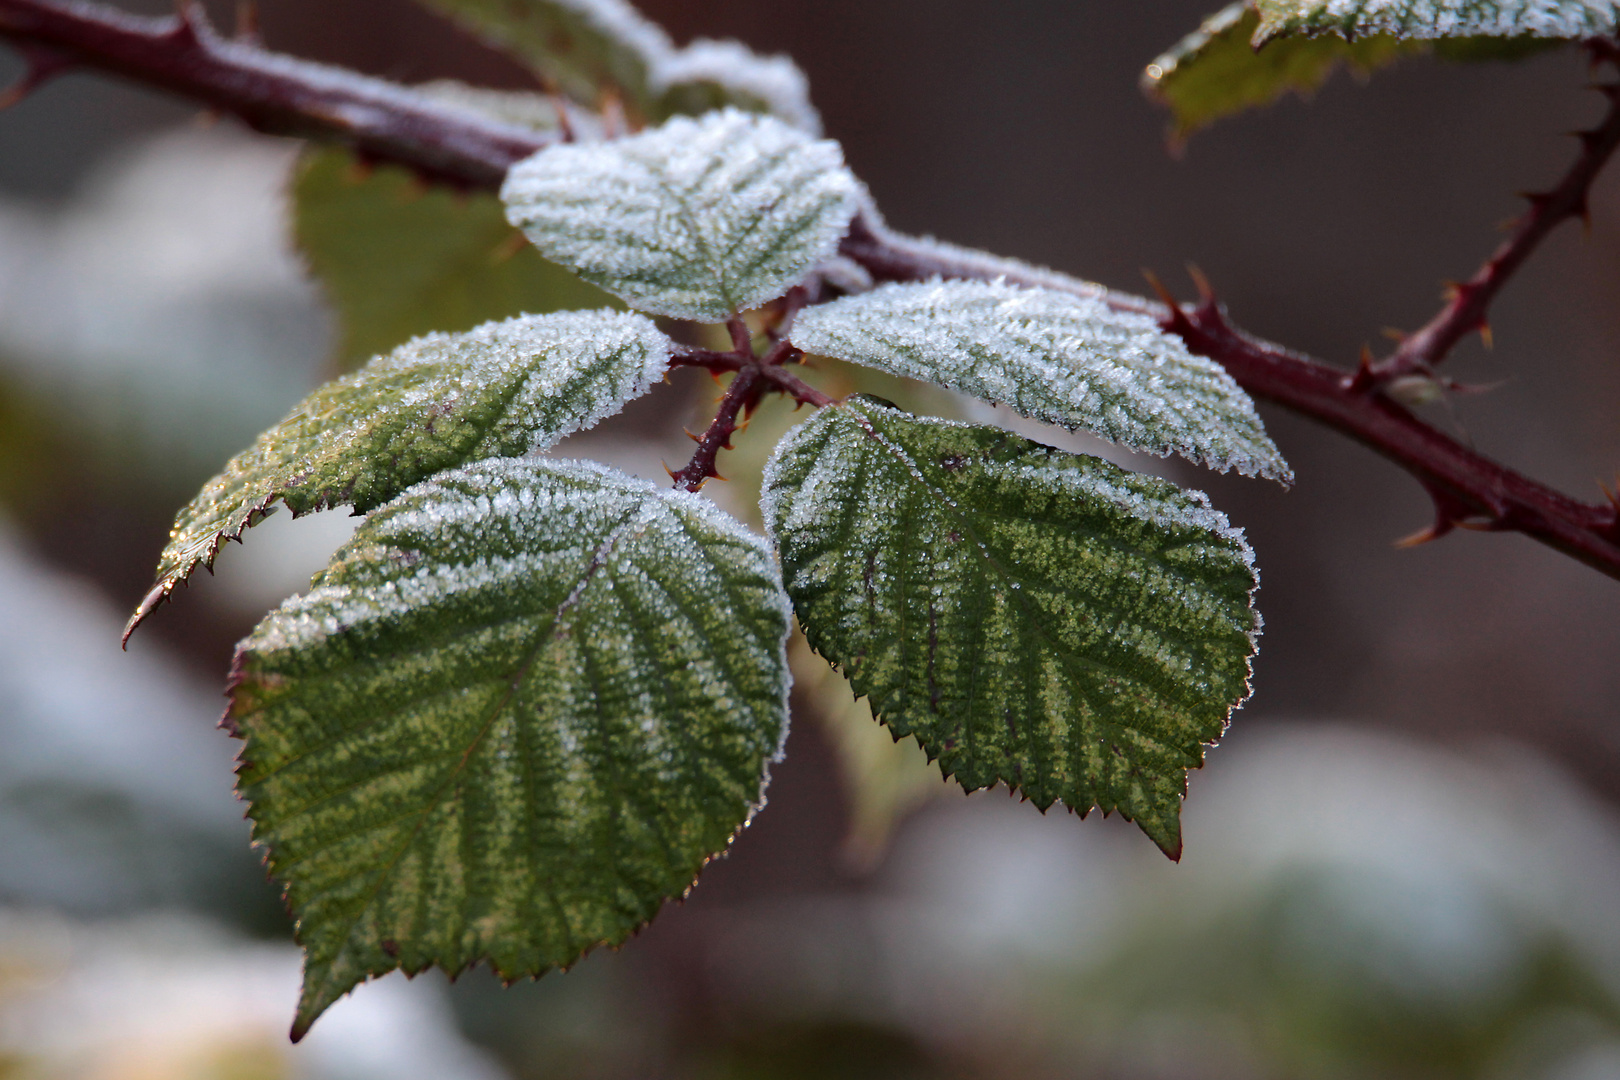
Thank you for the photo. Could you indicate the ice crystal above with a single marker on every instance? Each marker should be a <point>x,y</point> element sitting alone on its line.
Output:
<point>699,219</point>
<point>520,710</point>
<point>1064,359</point>
<point>1434,19</point>
<point>434,403</point>
<point>1034,617</point>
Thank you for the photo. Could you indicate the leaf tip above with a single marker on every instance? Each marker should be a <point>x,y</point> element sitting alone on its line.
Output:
<point>149,603</point>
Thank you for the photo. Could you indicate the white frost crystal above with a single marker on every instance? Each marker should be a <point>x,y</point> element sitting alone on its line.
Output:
<point>436,402</point>
<point>1067,360</point>
<point>699,219</point>
<point>1432,19</point>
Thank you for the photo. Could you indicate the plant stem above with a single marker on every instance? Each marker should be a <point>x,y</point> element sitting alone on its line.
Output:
<point>386,122</point>
<point>1468,308</point>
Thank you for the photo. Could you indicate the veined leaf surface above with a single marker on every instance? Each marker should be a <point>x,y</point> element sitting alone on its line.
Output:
<point>435,403</point>
<point>397,258</point>
<point>1033,617</point>
<point>1434,19</point>
<point>520,709</point>
<point>699,219</point>
<point>1216,72</point>
<point>1067,360</point>
<point>590,49</point>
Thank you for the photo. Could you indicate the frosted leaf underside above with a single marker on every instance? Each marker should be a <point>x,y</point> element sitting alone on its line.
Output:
<point>1435,19</point>
<point>1033,617</point>
<point>591,49</point>
<point>699,219</point>
<point>1064,359</point>
<point>1216,72</point>
<point>437,402</point>
<point>522,708</point>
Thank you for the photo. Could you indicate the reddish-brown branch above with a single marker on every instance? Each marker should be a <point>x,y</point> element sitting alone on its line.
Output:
<point>1468,489</point>
<point>1468,307</point>
<point>391,123</point>
<point>743,392</point>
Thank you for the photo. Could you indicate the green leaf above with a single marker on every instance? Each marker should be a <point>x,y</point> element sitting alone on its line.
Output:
<point>523,707</point>
<point>1033,617</point>
<point>435,403</point>
<point>1064,359</point>
<point>699,219</point>
<point>590,49</point>
<point>1216,71</point>
<point>397,258</point>
<point>1428,20</point>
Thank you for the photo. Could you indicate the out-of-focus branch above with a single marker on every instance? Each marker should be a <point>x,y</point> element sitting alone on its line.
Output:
<point>273,93</point>
<point>392,123</point>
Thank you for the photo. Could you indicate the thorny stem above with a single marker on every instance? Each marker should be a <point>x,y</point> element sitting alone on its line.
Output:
<point>1468,306</point>
<point>741,394</point>
<point>386,122</point>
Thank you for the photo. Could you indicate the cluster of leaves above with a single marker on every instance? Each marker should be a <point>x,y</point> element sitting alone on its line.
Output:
<point>531,698</point>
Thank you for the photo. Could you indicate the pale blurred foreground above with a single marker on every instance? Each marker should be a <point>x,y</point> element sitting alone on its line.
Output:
<point>1351,904</point>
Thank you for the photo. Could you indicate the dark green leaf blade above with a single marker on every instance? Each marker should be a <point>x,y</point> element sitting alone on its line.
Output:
<point>397,258</point>
<point>440,401</point>
<point>1033,617</point>
<point>522,708</point>
<point>699,219</point>
<point>1216,71</point>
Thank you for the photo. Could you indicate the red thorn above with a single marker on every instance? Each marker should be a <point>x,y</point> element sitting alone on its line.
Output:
<point>1448,515</point>
<point>669,470</point>
<point>718,477</point>
<point>1363,379</point>
<point>43,65</point>
<point>1206,291</point>
<point>1486,336</point>
<point>1538,200</point>
<point>190,23</point>
<point>1177,322</point>
<point>247,22</point>
<point>689,435</point>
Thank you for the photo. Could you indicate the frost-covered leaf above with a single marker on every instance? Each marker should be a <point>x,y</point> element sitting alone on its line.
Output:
<point>1064,359</point>
<point>592,48</point>
<point>437,402</point>
<point>1429,20</point>
<point>517,712</point>
<point>397,258</point>
<point>1035,618</point>
<point>1216,72</point>
<point>698,219</point>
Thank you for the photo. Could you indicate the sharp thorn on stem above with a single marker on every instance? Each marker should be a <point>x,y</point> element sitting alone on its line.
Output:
<point>43,65</point>
<point>1200,280</point>
<point>247,22</point>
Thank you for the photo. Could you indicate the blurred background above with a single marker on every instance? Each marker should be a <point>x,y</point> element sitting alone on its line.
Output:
<point>1404,860</point>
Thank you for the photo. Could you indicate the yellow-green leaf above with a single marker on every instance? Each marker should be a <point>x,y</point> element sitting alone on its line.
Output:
<point>398,258</point>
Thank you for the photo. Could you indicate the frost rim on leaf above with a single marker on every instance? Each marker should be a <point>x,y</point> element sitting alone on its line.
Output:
<point>1427,20</point>
<point>1068,360</point>
<point>505,538</point>
<point>702,218</point>
<point>359,439</point>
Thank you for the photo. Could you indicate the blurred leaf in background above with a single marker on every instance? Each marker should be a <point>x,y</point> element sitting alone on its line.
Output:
<point>398,258</point>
